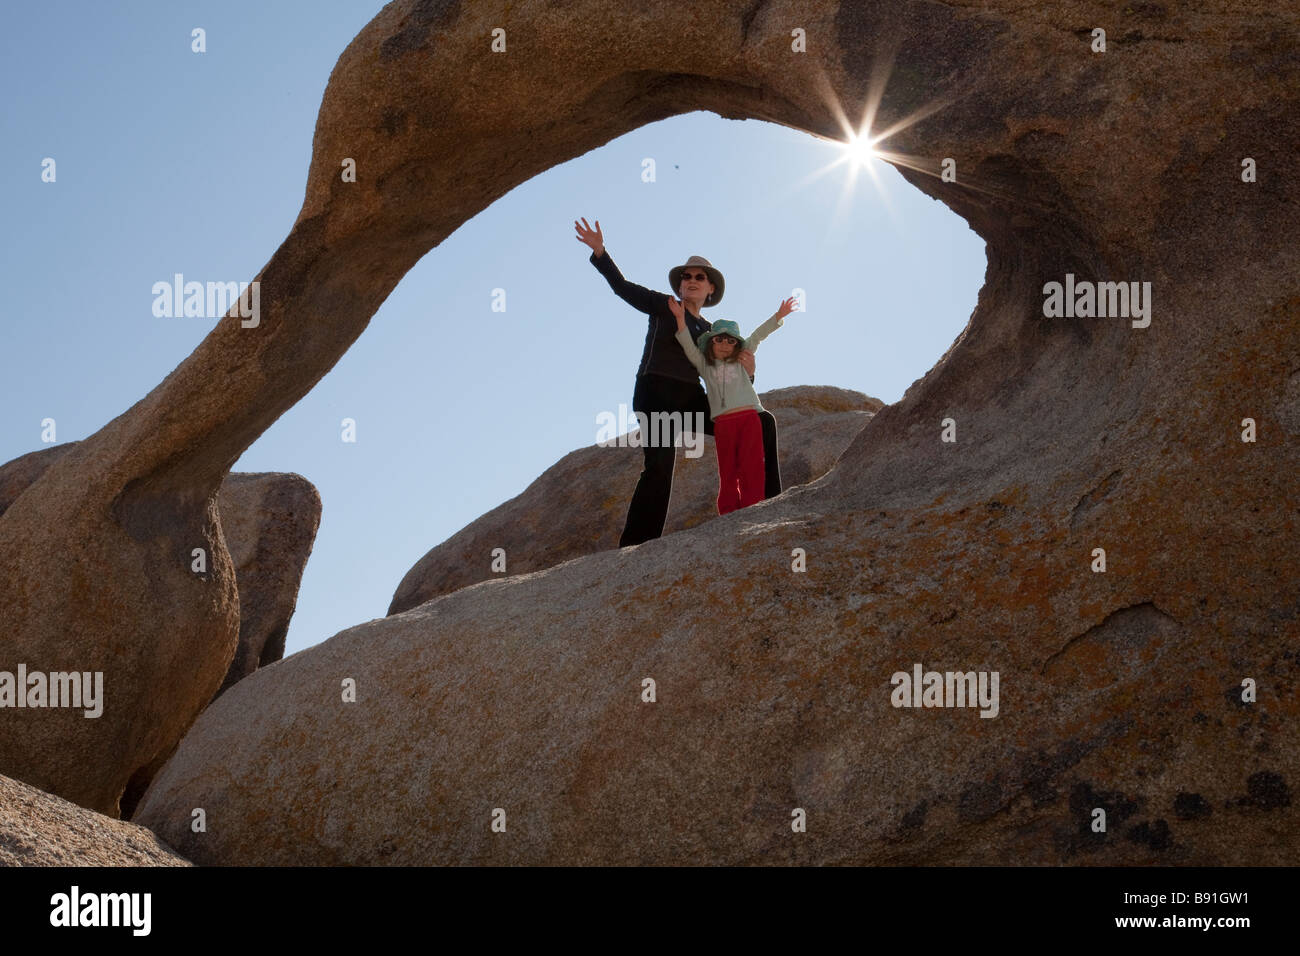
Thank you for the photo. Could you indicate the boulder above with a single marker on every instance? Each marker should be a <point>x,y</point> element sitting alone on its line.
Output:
<point>40,829</point>
<point>511,722</point>
<point>578,505</point>
<point>269,521</point>
<point>523,700</point>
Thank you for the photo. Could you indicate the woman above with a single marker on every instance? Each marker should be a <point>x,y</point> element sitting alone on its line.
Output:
<point>666,381</point>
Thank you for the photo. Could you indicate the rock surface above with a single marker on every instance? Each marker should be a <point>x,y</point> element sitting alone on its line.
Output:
<point>1121,690</point>
<point>578,505</point>
<point>40,829</point>
<point>18,475</point>
<point>269,521</point>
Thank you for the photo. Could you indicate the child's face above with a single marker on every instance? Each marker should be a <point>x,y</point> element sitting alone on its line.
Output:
<point>723,347</point>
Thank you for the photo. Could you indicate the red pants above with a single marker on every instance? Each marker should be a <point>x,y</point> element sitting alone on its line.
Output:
<point>738,440</point>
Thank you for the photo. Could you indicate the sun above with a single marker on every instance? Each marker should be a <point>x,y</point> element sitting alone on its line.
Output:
<point>856,152</point>
<point>864,146</point>
<point>860,150</point>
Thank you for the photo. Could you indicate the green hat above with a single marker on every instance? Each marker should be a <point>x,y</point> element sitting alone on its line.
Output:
<point>721,327</point>
<point>698,262</point>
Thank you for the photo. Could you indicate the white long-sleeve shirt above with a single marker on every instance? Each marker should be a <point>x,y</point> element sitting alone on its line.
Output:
<point>727,383</point>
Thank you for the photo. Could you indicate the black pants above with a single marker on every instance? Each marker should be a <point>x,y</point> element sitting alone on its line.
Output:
<point>649,509</point>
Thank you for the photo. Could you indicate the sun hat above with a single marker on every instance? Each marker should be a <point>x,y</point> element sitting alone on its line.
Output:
<point>720,327</point>
<point>675,277</point>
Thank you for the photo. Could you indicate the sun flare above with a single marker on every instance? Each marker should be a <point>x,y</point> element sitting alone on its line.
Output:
<point>861,150</point>
<point>864,146</point>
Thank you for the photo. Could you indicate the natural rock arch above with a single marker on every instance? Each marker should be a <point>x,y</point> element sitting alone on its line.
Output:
<point>439,127</point>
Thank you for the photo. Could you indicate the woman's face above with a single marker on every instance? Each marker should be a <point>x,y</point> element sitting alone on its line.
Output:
<point>695,285</point>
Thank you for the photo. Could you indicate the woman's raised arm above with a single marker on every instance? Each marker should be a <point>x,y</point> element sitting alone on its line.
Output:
<point>590,237</point>
<point>645,301</point>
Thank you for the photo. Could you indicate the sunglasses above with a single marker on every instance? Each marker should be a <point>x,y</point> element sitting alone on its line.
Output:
<point>724,339</point>
<point>698,276</point>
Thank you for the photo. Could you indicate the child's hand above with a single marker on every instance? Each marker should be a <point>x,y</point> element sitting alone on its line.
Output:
<point>678,312</point>
<point>787,307</point>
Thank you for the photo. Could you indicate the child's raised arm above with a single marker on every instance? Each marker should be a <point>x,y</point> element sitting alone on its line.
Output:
<point>771,325</point>
<point>679,313</point>
<point>684,335</point>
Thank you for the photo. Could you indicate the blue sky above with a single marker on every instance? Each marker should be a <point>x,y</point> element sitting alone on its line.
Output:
<point>170,161</point>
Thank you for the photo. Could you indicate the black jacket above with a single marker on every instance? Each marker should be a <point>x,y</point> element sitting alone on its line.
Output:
<point>662,354</point>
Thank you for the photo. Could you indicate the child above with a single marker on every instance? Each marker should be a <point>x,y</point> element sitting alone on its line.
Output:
<point>733,404</point>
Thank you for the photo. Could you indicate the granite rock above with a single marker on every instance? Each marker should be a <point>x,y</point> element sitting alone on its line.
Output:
<point>1120,689</point>
<point>578,505</point>
<point>40,829</point>
<point>269,522</point>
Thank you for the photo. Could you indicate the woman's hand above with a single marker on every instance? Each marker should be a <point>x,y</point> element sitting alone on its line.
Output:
<point>591,237</point>
<point>788,306</point>
<point>678,312</point>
